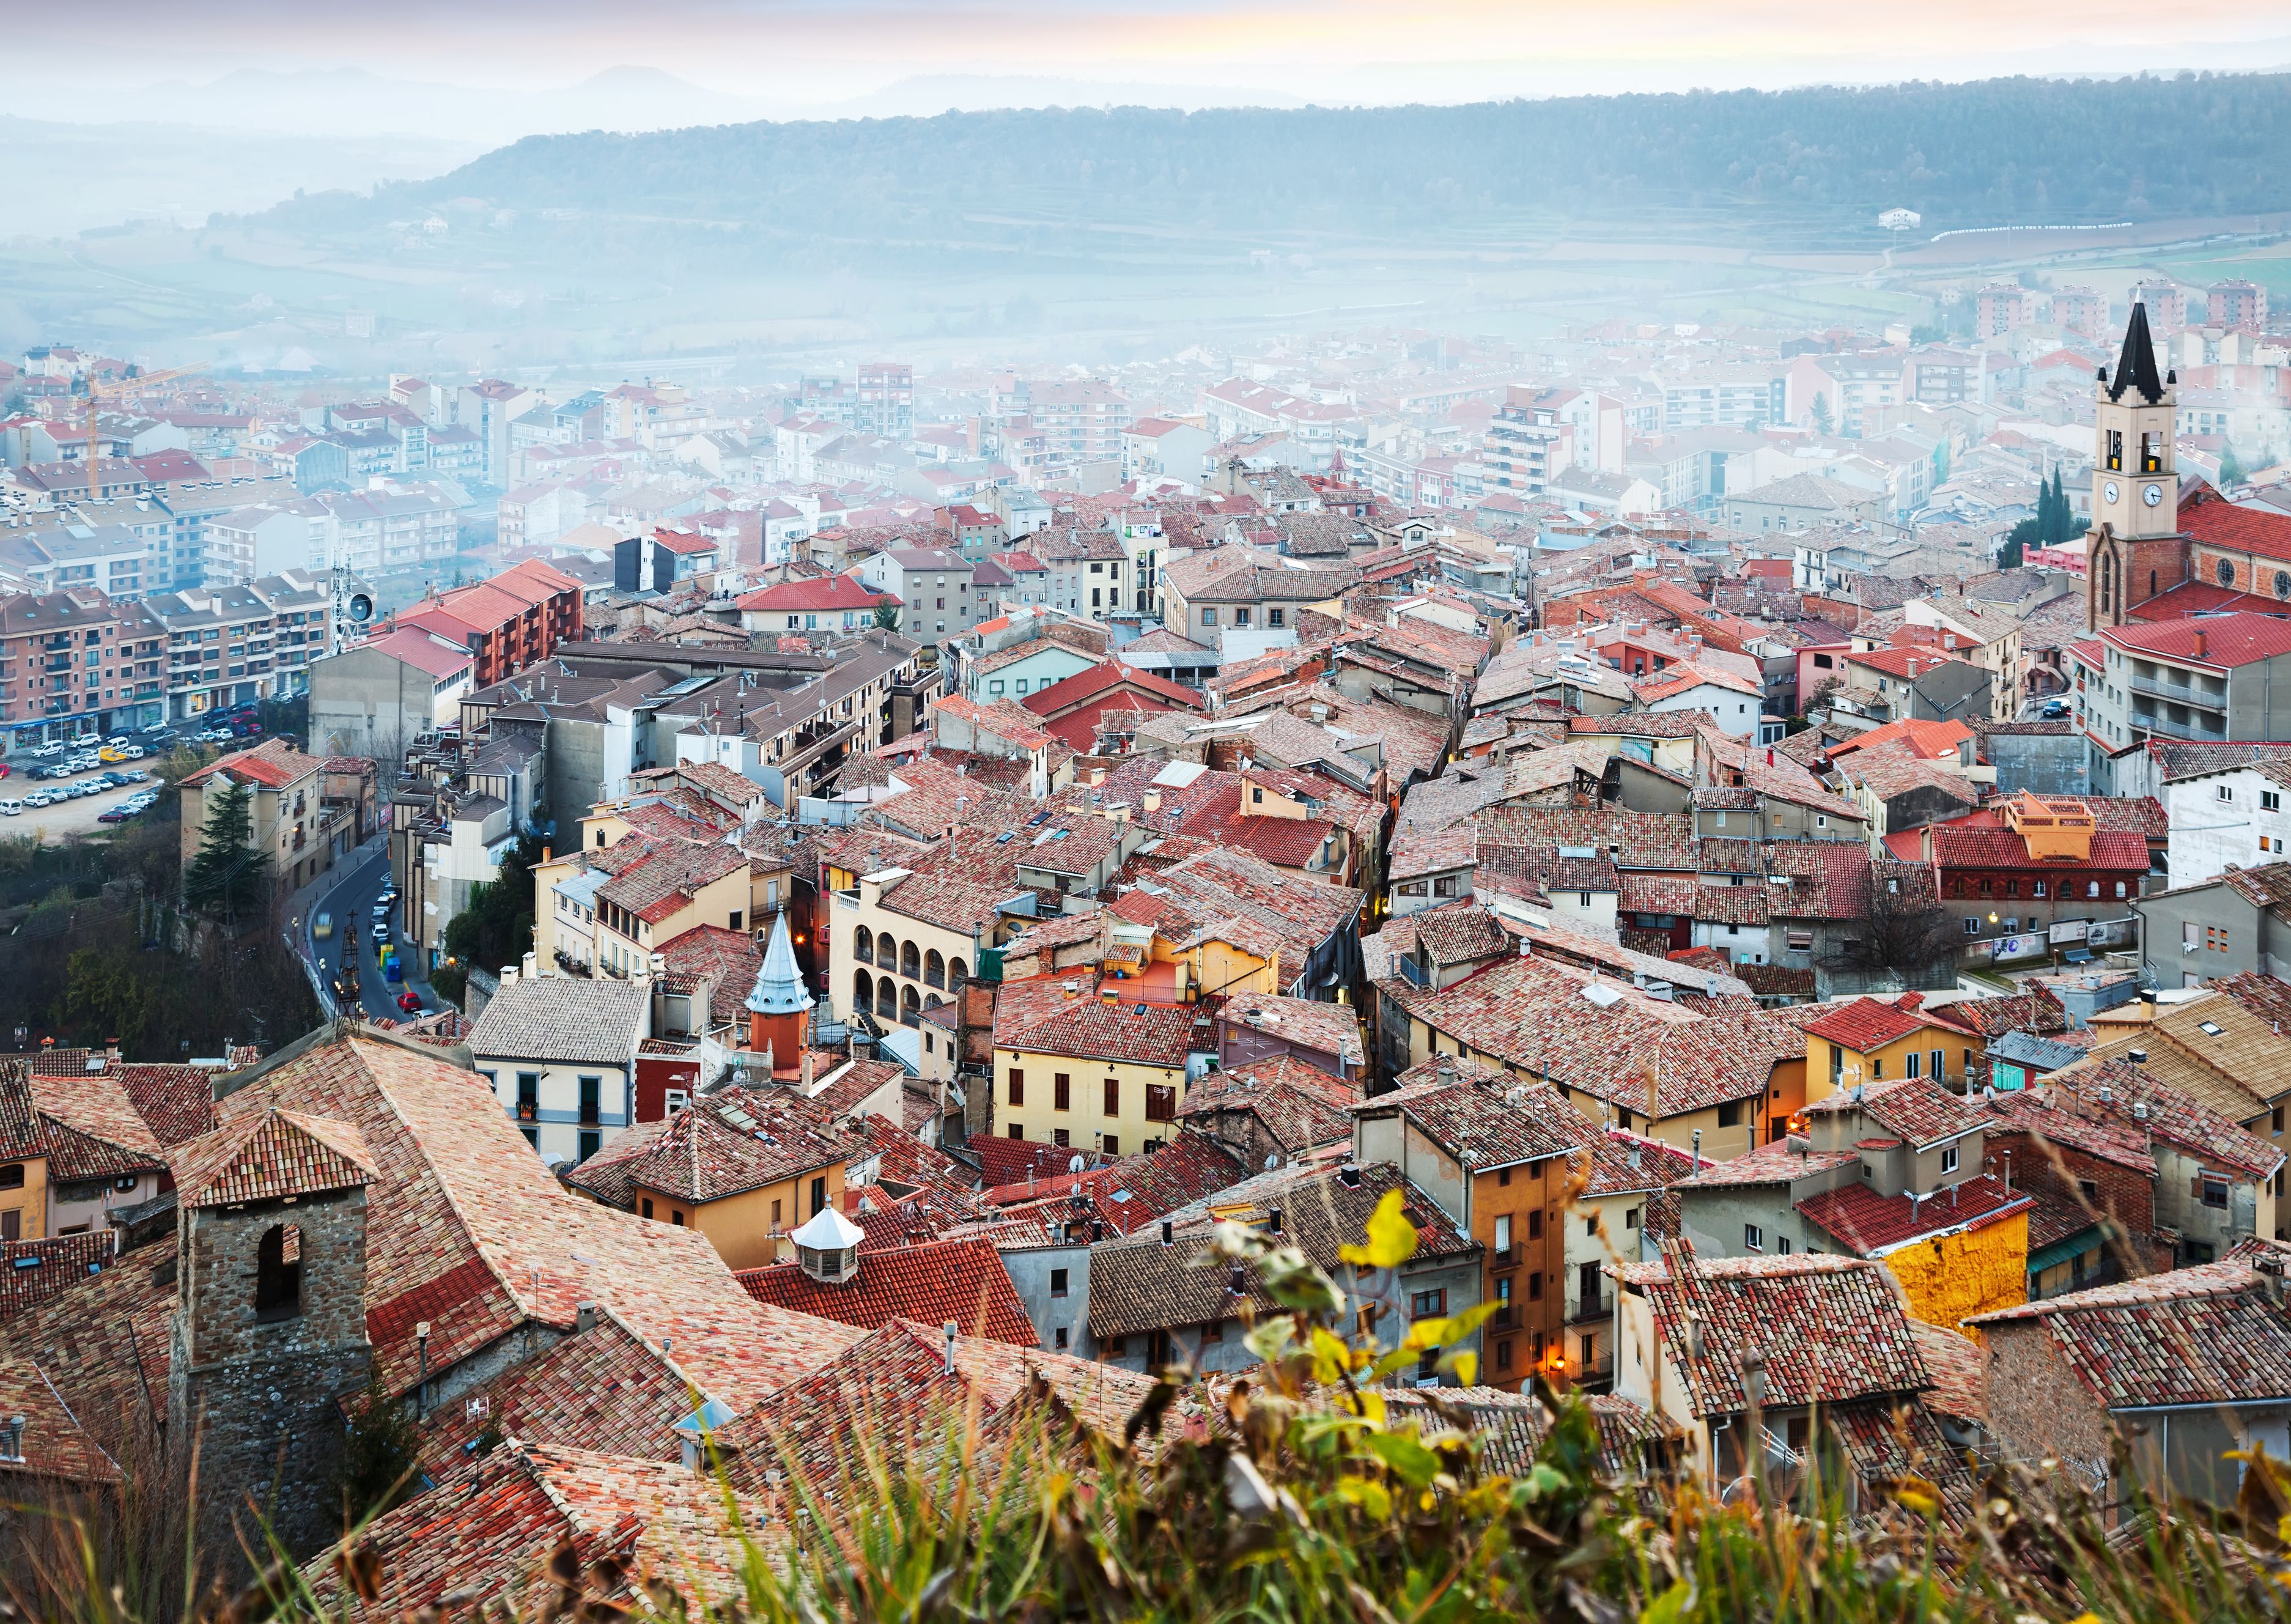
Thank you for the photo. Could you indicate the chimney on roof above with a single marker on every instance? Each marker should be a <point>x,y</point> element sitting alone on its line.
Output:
<point>2200,643</point>
<point>1169,1233</point>
<point>947,1331</point>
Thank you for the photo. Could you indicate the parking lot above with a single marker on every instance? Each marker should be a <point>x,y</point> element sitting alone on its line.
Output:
<point>101,786</point>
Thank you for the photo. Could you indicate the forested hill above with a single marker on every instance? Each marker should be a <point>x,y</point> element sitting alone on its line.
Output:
<point>2003,151</point>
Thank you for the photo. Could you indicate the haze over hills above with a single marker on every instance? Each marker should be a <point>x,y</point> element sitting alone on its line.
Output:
<point>1999,152</point>
<point>350,102</point>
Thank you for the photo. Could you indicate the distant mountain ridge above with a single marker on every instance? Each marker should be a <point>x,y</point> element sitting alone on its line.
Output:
<point>2003,151</point>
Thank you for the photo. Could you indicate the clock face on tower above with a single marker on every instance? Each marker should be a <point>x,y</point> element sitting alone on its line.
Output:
<point>2108,492</point>
<point>2152,495</point>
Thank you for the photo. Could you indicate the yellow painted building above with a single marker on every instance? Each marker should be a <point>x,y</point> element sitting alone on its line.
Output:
<point>24,1197</point>
<point>749,1228</point>
<point>1095,1072</point>
<point>1951,1277</point>
<point>1869,1042</point>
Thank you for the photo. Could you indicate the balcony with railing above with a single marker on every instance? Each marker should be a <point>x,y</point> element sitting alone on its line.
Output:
<point>1586,1309</point>
<point>2212,732</point>
<point>2186,693</point>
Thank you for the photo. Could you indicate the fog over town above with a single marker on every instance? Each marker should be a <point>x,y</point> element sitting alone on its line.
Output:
<point>722,723</point>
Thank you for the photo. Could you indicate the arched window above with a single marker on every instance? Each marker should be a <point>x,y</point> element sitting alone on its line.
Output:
<point>932,1000</point>
<point>957,972</point>
<point>911,1007</point>
<point>862,992</point>
<point>886,952</point>
<point>910,961</point>
<point>2225,571</point>
<point>2107,580</point>
<point>934,969</point>
<point>862,945</point>
<point>279,1273</point>
<point>886,1000</point>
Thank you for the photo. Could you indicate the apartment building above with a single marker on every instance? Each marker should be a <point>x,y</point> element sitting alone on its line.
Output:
<point>883,399</point>
<point>75,665</point>
<point>934,584</point>
<point>507,622</point>
<point>299,832</point>
<point>2210,680</point>
<point>1731,394</point>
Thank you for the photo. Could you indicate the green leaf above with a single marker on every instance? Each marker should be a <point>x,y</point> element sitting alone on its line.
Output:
<point>1410,1460</point>
<point>1391,1237</point>
<point>1270,1341</point>
<point>1369,1495</point>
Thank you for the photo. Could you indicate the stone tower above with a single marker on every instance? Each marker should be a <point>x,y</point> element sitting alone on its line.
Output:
<point>270,1328</point>
<point>2134,549</point>
<point>779,1007</point>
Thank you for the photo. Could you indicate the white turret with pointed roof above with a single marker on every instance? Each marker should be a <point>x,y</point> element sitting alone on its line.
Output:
<point>827,1246</point>
<point>779,980</point>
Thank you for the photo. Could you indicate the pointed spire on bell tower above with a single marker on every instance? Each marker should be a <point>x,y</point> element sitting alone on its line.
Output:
<point>779,1007</point>
<point>779,981</point>
<point>2136,368</point>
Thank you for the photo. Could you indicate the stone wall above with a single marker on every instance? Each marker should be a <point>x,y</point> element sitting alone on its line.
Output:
<point>253,1394</point>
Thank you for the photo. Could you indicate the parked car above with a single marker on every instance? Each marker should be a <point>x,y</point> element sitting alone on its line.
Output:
<point>12,808</point>
<point>5,769</point>
<point>410,1002</point>
<point>381,930</point>
<point>116,815</point>
<point>38,799</point>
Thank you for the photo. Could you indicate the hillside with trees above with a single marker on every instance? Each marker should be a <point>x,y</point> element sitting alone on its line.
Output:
<point>1997,152</point>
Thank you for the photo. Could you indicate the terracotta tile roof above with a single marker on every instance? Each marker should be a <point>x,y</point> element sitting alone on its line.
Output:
<point>1774,1163</point>
<point>491,1529</point>
<point>668,879</point>
<point>1140,1034</point>
<point>2197,1335</point>
<point>1014,1162</point>
<point>961,1281</point>
<point>1135,1191</point>
<point>19,1118</point>
<point>54,1447</point>
<point>721,1145</point>
<point>731,956</point>
<point>606,1388</point>
<point>1865,1024</point>
<point>1217,892</point>
<point>1830,1329</point>
<point>2035,1010</point>
<point>1299,1106</point>
<point>264,1158</point>
<point>2214,1137</point>
<point>176,1102</point>
<point>1916,1109</point>
<point>1618,1162</point>
<point>1483,1115</point>
<point>105,1343</point>
<point>271,764</point>
<point>92,1129</point>
<point>468,1230</point>
<point>892,1398</point>
<point>1859,1219</point>
<point>31,1271</point>
<point>1461,935</point>
<point>1138,1284</point>
<point>2065,1117</point>
<point>1556,1021</point>
<point>1329,1029</point>
<point>2220,642</point>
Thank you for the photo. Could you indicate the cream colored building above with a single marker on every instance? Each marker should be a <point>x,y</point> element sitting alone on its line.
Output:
<point>1094,1072</point>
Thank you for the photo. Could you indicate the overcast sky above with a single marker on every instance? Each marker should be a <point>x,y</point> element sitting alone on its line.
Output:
<point>800,53</point>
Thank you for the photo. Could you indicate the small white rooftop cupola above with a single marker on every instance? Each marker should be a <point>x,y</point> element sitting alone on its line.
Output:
<point>827,1247</point>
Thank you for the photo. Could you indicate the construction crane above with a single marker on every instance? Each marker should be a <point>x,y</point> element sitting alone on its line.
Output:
<point>96,393</point>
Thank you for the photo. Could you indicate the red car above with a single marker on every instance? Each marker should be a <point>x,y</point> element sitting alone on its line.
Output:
<point>411,1002</point>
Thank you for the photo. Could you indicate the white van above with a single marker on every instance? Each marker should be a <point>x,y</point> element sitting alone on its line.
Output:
<point>12,808</point>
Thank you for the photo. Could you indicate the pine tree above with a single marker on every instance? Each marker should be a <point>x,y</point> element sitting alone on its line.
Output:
<point>1819,413</point>
<point>227,870</point>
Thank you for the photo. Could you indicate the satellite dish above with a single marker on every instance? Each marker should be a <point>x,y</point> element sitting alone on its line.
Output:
<point>1075,1163</point>
<point>361,607</point>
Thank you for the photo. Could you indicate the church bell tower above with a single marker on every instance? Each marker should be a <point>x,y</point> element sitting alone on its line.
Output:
<point>2134,549</point>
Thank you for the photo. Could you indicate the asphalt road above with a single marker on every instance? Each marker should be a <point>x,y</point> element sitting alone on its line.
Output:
<point>350,903</point>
